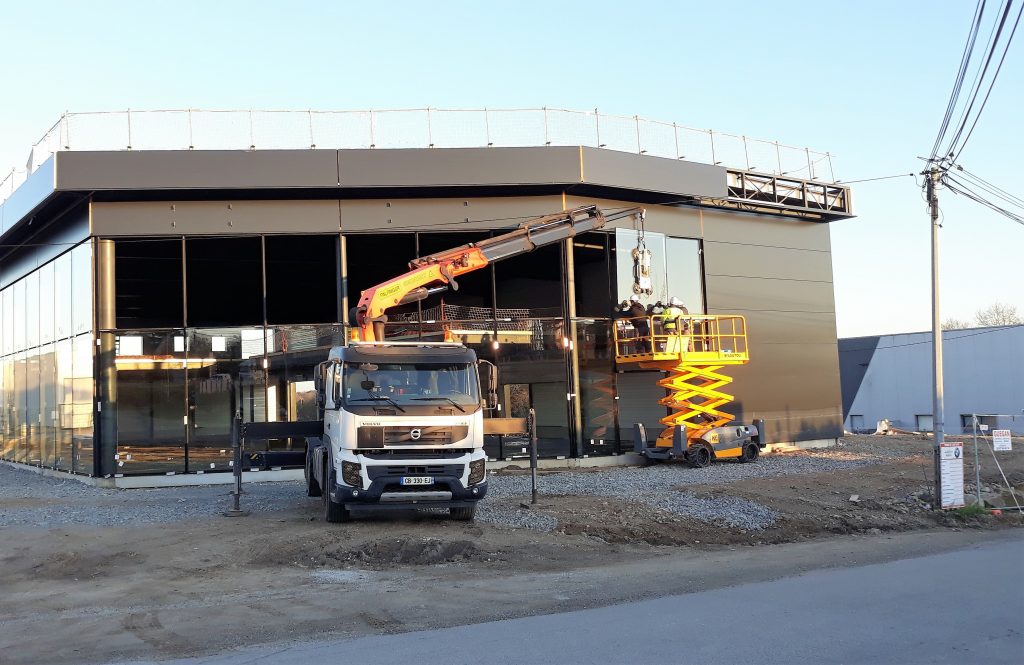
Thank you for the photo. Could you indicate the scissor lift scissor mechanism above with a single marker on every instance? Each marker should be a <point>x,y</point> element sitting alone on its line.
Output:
<point>692,353</point>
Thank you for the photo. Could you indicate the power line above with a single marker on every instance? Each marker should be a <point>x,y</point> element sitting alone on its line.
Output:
<point>953,150</point>
<point>965,60</point>
<point>884,177</point>
<point>1005,195</point>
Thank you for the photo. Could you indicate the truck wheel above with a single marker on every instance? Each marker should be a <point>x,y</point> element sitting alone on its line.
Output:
<point>463,514</point>
<point>698,456</point>
<point>750,453</point>
<point>312,486</point>
<point>334,512</point>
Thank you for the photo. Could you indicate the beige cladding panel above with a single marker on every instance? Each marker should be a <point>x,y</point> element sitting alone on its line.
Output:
<point>727,294</point>
<point>213,217</point>
<point>652,174</point>
<point>196,169</point>
<point>765,230</point>
<point>450,215</point>
<point>735,259</point>
<point>672,221</point>
<point>458,166</point>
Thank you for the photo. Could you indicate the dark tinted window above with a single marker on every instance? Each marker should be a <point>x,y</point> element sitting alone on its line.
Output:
<point>225,281</point>
<point>148,283</point>
<point>302,279</point>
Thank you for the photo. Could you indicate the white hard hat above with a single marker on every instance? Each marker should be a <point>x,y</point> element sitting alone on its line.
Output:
<point>634,298</point>
<point>675,302</point>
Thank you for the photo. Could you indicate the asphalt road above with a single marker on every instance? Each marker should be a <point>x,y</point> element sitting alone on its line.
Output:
<point>964,606</point>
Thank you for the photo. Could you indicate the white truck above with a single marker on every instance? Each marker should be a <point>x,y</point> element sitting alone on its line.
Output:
<point>403,422</point>
<point>403,427</point>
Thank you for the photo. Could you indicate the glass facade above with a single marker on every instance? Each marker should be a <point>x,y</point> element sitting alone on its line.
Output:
<point>210,327</point>
<point>46,365</point>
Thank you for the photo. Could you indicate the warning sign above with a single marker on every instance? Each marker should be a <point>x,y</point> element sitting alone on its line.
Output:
<point>951,470</point>
<point>1001,440</point>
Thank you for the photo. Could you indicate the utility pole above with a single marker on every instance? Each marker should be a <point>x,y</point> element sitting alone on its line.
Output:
<point>934,174</point>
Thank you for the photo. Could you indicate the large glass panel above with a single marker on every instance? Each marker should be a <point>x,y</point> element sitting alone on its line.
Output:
<point>46,300</point>
<point>592,275</point>
<point>685,276</point>
<point>224,278</point>
<point>638,394</point>
<point>149,283</point>
<point>473,300</point>
<point>48,407</point>
<point>302,278</point>
<point>31,311</point>
<point>62,292</point>
<point>82,400</point>
<point>375,258</point>
<point>597,387</point>
<point>19,407</point>
<point>150,402</point>
<point>81,288</point>
<point>530,286</point>
<point>216,390</point>
<point>532,373</point>
<point>7,438</point>
<point>18,316</point>
<point>33,416</point>
<point>64,355</point>
<point>6,322</point>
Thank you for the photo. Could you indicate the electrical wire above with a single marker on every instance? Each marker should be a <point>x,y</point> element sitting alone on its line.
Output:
<point>995,190</point>
<point>929,341</point>
<point>884,177</point>
<point>965,60</point>
<point>956,146</point>
<point>964,190</point>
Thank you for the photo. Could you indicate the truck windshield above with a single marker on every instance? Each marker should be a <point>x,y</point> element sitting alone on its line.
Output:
<point>410,383</point>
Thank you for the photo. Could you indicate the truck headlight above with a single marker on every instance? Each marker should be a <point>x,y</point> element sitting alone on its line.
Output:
<point>477,471</point>
<point>350,474</point>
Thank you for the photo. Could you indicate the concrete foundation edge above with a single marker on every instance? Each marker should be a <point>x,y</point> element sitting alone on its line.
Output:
<point>292,475</point>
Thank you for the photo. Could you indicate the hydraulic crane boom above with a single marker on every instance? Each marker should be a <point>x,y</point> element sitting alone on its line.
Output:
<point>437,272</point>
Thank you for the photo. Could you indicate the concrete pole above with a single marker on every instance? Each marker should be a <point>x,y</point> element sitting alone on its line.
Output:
<point>938,407</point>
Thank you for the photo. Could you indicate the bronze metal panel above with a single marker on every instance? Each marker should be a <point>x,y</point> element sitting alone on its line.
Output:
<point>451,215</point>
<point>213,217</point>
<point>196,169</point>
<point>767,230</point>
<point>772,327</point>
<point>728,294</point>
<point>737,260</point>
<point>652,174</point>
<point>670,220</point>
<point>458,166</point>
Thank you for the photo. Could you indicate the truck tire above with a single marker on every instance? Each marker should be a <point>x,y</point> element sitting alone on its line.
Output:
<point>312,486</point>
<point>699,456</point>
<point>463,514</point>
<point>750,453</point>
<point>334,512</point>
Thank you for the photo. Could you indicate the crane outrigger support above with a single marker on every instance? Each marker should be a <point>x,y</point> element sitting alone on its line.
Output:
<point>692,353</point>
<point>437,272</point>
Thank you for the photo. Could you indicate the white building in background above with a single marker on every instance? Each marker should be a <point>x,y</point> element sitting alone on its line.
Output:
<point>890,376</point>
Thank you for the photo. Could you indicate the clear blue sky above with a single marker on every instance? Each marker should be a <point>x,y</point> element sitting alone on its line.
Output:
<point>867,81</point>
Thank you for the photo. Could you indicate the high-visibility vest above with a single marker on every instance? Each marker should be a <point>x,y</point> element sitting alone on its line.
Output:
<point>670,316</point>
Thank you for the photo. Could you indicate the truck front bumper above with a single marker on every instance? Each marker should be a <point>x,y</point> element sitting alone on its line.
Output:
<point>387,491</point>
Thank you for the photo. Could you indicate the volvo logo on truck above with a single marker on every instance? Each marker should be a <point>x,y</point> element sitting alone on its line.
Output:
<point>415,434</point>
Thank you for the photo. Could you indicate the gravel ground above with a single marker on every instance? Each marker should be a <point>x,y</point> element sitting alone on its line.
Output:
<point>67,501</point>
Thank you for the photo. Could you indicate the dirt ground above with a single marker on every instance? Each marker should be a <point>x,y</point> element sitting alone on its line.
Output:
<point>97,594</point>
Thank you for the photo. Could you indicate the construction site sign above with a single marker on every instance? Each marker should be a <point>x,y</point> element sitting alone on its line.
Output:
<point>1001,440</point>
<point>951,470</point>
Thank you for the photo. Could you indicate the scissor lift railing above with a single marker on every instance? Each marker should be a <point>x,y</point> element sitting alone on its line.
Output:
<point>691,350</point>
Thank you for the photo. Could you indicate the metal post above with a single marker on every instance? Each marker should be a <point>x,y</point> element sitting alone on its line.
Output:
<point>977,468</point>
<point>533,455</point>
<point>236,449</point>
<point>938,407</point>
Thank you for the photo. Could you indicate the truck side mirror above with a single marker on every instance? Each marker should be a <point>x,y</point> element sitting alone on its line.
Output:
<point>320,385</point>
<point>491,399</point>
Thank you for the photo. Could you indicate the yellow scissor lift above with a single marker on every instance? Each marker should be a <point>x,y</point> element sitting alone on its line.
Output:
<point>691,353</point>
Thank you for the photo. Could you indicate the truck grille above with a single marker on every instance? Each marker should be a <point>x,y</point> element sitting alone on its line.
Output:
<point>397,470</point>
<point>406,435</point>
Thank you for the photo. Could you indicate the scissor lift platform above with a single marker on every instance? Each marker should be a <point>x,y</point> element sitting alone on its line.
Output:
<point>691,350</point>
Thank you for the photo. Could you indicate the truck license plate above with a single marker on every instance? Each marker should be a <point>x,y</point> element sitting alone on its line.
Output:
<point>417,480</point>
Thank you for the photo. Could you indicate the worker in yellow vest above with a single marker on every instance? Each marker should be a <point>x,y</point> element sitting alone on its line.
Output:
<point>676,326</point>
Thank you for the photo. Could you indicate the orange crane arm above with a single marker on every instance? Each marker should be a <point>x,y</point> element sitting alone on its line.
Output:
<point>437,272</point>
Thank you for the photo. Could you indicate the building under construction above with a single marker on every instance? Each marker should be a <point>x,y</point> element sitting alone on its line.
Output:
<point>150,291</point>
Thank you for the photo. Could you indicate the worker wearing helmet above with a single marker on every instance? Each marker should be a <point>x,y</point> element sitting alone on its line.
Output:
<point>638,317</point>
<point>675,325</point>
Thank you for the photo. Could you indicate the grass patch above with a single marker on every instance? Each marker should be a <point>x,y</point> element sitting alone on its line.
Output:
<point>975,510</point>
